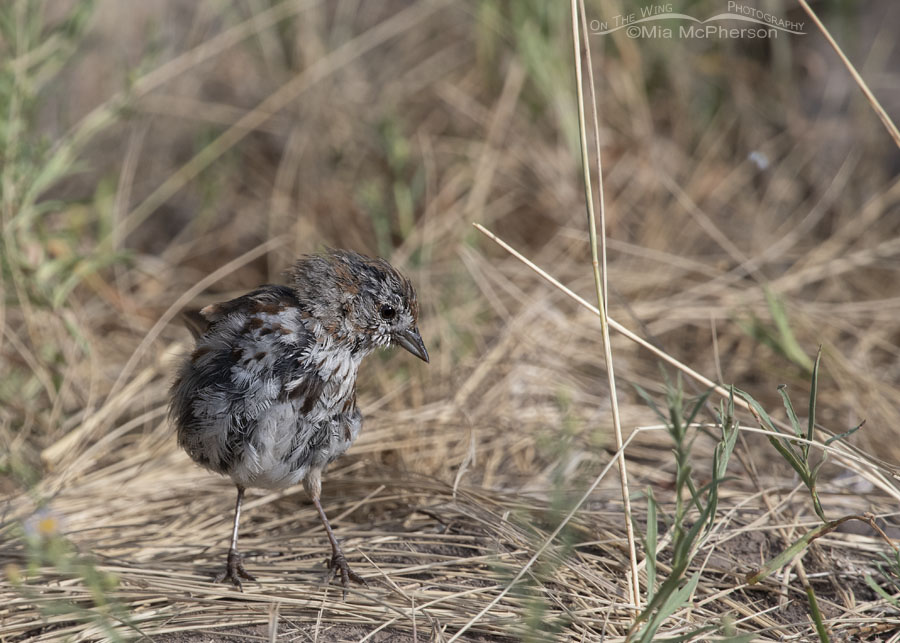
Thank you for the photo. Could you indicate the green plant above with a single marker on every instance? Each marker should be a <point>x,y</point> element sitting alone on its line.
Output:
<point>695,509</point>
<point>890,570</point>
<point>779,337</point>
<point>47,246</point>
<point>796,453</point>
<point>535,28</point>
<point>44,252</point>
<point>393,200</point>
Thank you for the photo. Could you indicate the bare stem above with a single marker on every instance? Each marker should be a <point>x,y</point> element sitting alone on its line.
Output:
<point>600,285</point>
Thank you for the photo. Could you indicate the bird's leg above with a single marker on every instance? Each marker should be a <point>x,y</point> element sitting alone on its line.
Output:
<point>234,569</point>
<point>313,485</point>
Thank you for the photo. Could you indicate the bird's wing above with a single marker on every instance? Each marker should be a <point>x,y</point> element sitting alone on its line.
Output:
<point>243,359</point>
<point>239,369</point>
<point>269,299</point>
<point>258,335</point>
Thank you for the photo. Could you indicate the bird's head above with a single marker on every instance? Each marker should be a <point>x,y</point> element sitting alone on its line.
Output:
<point>359,300</point>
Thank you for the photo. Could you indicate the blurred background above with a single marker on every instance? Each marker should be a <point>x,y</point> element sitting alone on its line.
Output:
<point>167,154</point>
<point>147,145</point>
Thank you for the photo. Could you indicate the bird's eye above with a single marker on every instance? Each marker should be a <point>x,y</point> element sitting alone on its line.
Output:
<point>387,311</point>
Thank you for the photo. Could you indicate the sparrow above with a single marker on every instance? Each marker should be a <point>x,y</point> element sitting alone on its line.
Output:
<point>268,395</point>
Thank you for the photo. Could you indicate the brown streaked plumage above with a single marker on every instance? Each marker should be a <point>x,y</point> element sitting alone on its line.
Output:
<point>268,395</point>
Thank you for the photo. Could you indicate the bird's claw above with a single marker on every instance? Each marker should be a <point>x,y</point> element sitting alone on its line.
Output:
<point>339,564</point>
<point>234,570</point>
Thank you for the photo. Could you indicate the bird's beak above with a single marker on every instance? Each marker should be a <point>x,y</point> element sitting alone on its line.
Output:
<point>411,340</point>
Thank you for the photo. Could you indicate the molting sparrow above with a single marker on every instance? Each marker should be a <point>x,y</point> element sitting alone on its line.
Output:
<point>268,396</point>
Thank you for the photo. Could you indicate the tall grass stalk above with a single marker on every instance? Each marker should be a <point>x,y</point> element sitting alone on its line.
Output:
<point>634,589</point>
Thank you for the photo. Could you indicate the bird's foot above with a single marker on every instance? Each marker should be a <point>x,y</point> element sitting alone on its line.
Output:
<point>234,570</point>
<point>339,564</point>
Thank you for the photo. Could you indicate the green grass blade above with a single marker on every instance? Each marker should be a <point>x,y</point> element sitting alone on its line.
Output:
<point>799,545</point>
<point>813,387</point>
<point>841,436</point>
<point>783,445</point>
<point>674,601</point>
<point>721,456</point>
<point>789,407</point>
<point>760,412</point>
<point>649,401</point>
<point>816,614</point>
<point>878,589</point>
<point>786,342</point>
<point>651,544</point>
<point>699,405</point>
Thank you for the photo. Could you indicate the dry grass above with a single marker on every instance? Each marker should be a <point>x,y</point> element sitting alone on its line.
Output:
<point>251,133</point>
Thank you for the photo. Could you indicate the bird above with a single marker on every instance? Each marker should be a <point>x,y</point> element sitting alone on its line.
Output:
<point>268,395</point>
